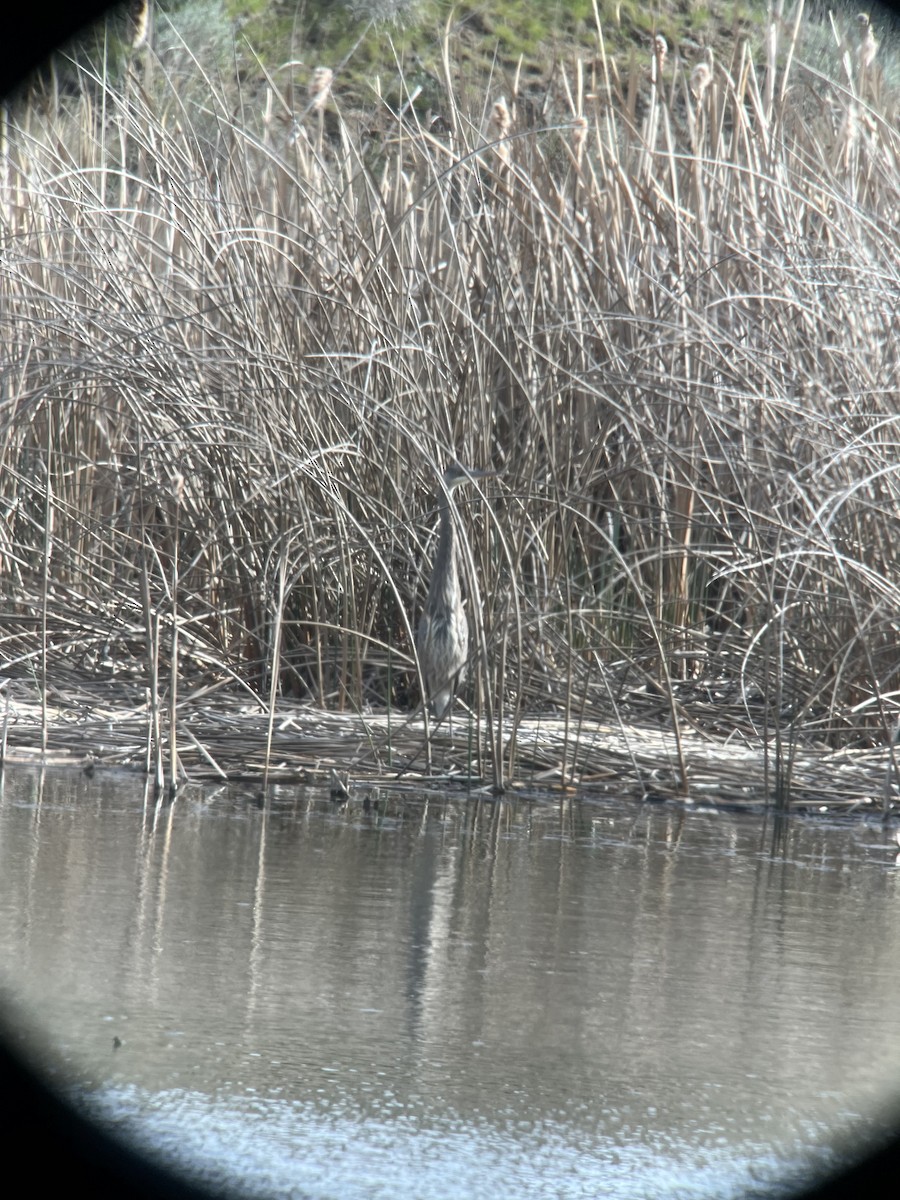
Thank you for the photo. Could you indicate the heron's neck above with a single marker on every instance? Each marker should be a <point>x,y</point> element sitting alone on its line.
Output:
<point>444,580</point>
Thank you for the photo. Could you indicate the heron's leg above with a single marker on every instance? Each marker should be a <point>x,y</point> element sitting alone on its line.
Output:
<point>454,684</point>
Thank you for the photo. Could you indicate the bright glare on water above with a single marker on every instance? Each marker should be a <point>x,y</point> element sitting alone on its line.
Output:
<point>450,997</point>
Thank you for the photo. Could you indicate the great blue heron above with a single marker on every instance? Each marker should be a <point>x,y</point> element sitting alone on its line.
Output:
<point>442,639</point>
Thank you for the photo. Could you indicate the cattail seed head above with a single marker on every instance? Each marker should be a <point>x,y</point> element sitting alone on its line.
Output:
<point>500,118</point>
<point>501,123</point>
<point>868,46</point>
<point>139,20</point>
<point>579,133</point>
<point>319,87</point>
<point>701,78</point>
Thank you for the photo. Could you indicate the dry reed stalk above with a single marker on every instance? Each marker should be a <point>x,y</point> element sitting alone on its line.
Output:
<point>175,586</point>
<point>6,690</point>
<point>155,725</point>
<point>47,552</point>
<point>274,662</point>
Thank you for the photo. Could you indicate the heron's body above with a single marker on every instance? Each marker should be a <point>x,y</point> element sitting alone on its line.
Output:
<point>442,639</point>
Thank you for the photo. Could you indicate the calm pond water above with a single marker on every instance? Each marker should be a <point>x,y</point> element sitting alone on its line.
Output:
<point>451,997</point>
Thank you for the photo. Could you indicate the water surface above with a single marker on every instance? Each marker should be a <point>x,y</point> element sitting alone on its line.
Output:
<point>455,997</point>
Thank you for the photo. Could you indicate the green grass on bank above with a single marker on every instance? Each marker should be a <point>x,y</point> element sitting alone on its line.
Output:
<point>243,332</point>
<point>371,44</point>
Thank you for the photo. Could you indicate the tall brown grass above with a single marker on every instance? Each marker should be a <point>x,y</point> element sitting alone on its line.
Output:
<point>240,337</point>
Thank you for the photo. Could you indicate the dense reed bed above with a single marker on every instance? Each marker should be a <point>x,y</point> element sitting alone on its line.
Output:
<point>243,329</point>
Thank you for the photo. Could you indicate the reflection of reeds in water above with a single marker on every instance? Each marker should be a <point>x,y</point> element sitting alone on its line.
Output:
<point>677,335</point>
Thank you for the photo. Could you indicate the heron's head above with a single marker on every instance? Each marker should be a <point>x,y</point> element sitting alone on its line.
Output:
<point>456,474</point>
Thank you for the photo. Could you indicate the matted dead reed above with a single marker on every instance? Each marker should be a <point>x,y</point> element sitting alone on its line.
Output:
<point>243,331</point>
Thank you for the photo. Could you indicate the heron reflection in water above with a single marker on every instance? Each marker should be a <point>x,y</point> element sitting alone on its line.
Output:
<point>442,639</point>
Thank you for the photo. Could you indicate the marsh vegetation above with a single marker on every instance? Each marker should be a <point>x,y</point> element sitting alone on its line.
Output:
<point>245,328</point>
